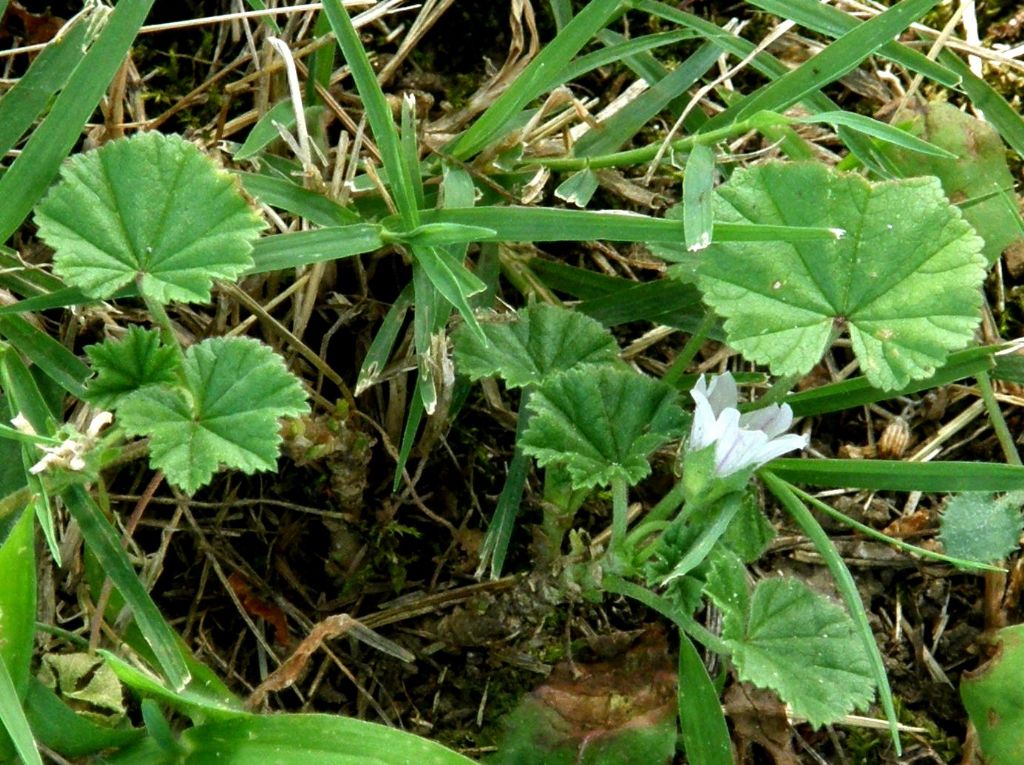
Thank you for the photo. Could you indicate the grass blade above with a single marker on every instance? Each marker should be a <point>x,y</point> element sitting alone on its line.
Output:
<point>378,114</point>
<point>698,182</point>
<point>13,717</point>
<point>705,733</point>
<point>102,540</point>
<point>626,123</point>
<point>285,195</point>
<point>540,75</point>
<point>847,589</point>
<point>838,59</point>
<point>37,165</point>
<point>60,364</point>
<point>539,224</point>
<point>894,475</point>
<point>301,248</point>
<point>858,391</point>
<point>34,90</point>
<point>835,23</point>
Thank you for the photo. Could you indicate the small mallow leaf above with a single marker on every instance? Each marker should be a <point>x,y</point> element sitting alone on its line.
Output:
<point>238,388</point>
<point>904,280</point>
<point>803,647</point>
<point>601,423</point>
<point>123,366</point>
<point>981,527</point>
<point>151,207</point>
<point>541,340</point>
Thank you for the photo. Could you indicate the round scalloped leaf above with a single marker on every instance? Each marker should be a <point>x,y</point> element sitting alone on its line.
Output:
<point>802,646</point>
<point>542,340</point>
<point>152,206</point>
<point>905,279</point>
<point>980,527</point>
<point>239,388</point>
<point>602,423</point>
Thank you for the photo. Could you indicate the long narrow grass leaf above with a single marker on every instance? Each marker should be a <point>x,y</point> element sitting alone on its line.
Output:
<point>847,589</point>
<point>378,113</point>
<point>616,52</point>
<point>539,75</point>
<point>626,123</point>
<point>37,165</point>
<point>894,475</point>
<point>61,729</point>
<point>835,23</point>
<point>855,392</point>
<point>698,181</point>
<point>13,718</point>
<point>302,248</point>
<point>705,732</point>
<point>384,342</point>
<point>872,127</point>
<point>24,102</point>
<point>838,59</point>
<point>289,196</point>
<point>102,540</point>
<point>66,369</point>
<point>545,224</point>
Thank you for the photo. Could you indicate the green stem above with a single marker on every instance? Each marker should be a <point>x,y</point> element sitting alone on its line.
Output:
<point>162,320</point>
<point>899,544</point>
<point>995,415</point>
<point>619,586</point>
<point>620,515</point>
<point>690,350</point>
<point>657,514</point>
<point>646,153</point>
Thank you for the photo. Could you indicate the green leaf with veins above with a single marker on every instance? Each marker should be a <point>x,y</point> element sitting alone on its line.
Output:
<point>123,366</point>
<point>802,646</point>
<point>905,280</point>
<point>602,423</point>
<point>978,178</point>
<point>152,206</point>
<point>239,388</point>
<point>981,527</point>
<point>542,340</point>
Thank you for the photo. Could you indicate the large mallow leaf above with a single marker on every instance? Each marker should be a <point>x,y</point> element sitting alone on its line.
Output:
<point>238,388</point>
<point>602,423</point>
<point>150,208</point>
<point>803,647</point>
<point>540,341</point>
<point>904,280</point>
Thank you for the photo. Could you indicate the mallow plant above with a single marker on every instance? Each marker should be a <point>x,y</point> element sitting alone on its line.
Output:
<point>779,261</point>
<point>902,278</point>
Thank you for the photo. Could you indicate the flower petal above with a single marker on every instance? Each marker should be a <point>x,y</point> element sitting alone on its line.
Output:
<point>703,431</point>
<point>774,420</point>
<point>722,393</point>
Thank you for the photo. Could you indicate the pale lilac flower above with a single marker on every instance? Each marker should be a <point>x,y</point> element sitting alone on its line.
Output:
<point>742,441</point>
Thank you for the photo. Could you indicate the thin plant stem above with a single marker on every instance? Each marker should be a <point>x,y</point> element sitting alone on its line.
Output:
<point>644,154</point>
<point>658,514</point>
<point>620,514</point>
<point>995,414</point>
<point>995,582</point>
<point>689,625</point>
<point>690,350</point>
